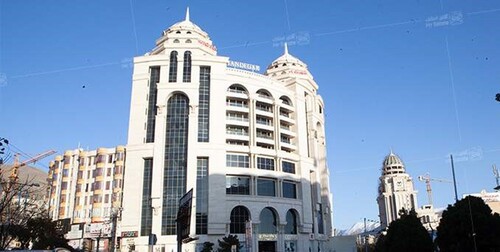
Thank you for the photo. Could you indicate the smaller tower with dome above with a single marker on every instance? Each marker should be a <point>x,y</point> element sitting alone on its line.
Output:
<point>395,191</point>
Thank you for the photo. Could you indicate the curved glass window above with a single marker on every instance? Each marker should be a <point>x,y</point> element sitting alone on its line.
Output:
<point>239,216</point>
<point>175,166</point>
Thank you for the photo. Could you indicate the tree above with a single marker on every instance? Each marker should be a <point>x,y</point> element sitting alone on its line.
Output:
<point>405,234</point>
<point>19,203</point>
<point>227,242</point>
<point>207,247</point>
<point>469,225</point>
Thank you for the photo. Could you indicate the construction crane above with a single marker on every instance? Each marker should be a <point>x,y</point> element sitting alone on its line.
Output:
<point>13,173</point>
<point>497,177</point>
<point>427,178</point>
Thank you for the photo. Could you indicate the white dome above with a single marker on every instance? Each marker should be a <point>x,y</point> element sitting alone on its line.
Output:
<point>392,165</point>
<point>287,58</point>
<point>186,25</point>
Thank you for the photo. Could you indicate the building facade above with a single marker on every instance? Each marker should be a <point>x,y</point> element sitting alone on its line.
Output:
<point>251,146</point>
<point>395,191</point>
<point>85,189</point>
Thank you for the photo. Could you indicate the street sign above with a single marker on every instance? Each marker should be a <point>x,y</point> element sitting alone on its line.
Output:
<point>184,216</point>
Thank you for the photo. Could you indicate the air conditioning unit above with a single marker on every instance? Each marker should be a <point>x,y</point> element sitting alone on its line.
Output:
<point>311,236</point>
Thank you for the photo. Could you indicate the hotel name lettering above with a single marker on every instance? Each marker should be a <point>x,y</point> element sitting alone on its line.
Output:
<point>244,66</point>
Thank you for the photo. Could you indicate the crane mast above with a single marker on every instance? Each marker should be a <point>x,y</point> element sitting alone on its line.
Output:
<point>427,179</point>
<point>15,167</point>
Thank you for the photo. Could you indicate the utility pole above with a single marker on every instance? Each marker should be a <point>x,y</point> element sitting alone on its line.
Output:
<point>454,180</point>
<point>366,237</point>
<point>98,240</point>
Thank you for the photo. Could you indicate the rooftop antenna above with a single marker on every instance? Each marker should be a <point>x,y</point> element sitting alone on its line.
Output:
<point>187,14</point>
<point>497,177</point>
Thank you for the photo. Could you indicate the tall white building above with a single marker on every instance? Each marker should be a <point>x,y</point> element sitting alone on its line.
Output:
<point>395,190</point>
<point>250,145</point>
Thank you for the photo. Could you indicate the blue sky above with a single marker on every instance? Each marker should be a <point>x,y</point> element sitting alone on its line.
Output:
<point>415,76</point>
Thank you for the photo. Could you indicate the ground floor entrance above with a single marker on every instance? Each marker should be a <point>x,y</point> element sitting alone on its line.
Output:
<point>267,246</point>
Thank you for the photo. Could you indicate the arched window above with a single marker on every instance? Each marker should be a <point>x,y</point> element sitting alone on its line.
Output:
<point>186,76</point>
<point>286,100</point>
<point>175,160</point>
<point>264,93</point>
<point>267,221</point>
<point>237,88</point>
<point>239,216</point>
<point>172,75</point>
<point>291,222</point>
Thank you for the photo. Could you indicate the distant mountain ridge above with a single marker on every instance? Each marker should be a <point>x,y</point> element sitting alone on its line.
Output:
<point>359,228</point>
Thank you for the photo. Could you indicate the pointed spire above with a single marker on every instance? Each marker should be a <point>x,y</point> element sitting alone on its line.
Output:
<point>392,153</point>
<point>286,48</point>
<point>187,14</point>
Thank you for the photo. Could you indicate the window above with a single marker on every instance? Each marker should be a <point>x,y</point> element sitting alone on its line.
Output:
<point>237,185</point>
<point>120,156</point>
<point>264,120</point>
<point>64,185</point>
<point>291,222</point>
<point>237,142</point>
<point>264,134</point>
<point>106,198</point>
<point>264,94</point>
<point>154,78</point>
<point>239,216</point>
<point>266,187</point>
<point>204,104</point>
<point>263,107</point>
<point>202,195</point>
<point>284,113</point>
<point>237,103</point>
<point>175,160</point>
<point>108,184</point>
<point>233,160</point>
<point>285,100</point>
<point>146,211</point>
<point>265,163</point>
<point>289,190</point>
<point>172,75</point>
<point>237,89</point>
<point>285,139</point>
<point>101,159</point>
<point>237,130</point>
<point>118,169</point>
<point>268,221</point>
<point>97,199</point>
<point>242,117</point>
<point>97,172</point>
<point>186,74</point>
<point>288,167</point>
<point>97,185</point>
